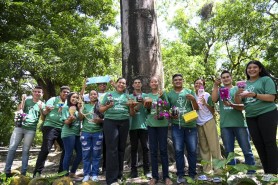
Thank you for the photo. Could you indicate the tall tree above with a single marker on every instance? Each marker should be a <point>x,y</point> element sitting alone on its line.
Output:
<point>140,42</point>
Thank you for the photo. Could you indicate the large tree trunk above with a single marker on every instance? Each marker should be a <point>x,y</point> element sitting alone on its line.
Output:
<point>140,42</point>
<point>48,88</point>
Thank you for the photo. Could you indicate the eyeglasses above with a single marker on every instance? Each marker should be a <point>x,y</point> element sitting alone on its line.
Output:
<point>102,83</point>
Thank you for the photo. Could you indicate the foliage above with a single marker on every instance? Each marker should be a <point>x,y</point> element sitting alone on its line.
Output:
<point>54,43</point>
<point>214,34</point>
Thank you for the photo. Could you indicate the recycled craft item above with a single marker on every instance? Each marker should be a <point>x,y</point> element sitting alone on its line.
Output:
<point>190,116</point>
<point>109,99</point>
<point>224,93</point>
<point>175,111</point>
<point>72,110</point>
<point>241,84</point>
<point>139,98</point>
<point>161,111</point>
<point>60,105</point>
<point>19,118</point>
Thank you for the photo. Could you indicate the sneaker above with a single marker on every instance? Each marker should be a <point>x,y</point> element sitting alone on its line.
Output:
<point>86,178</point>
<point>267,177</point>
<point>94,178</point>
<point>202,178</point>
<point>168,181</point>
<point>152,181</point>
<point>216,179</point>
<point>180,180</point>
<point>37,174</point>
<point>133,174</point>
<point>148,175</point>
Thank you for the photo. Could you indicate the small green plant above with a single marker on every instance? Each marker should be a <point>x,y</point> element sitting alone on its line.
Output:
<point>227,170</point>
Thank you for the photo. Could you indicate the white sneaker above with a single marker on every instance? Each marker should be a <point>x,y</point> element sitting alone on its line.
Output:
<point>86,178</point>
<point>94,178</point>
<point>267,177</point>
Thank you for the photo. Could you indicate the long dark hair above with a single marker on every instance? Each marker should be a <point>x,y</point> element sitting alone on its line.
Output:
<point>263,71</point>
<point>68,100</point>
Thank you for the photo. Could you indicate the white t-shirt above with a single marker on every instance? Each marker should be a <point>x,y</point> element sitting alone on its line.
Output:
<point>204,115</point>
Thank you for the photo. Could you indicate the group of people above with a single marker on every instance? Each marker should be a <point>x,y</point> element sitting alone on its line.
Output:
<point>103,123</point>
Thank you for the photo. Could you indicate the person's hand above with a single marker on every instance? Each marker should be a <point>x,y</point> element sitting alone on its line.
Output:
<point>202,100</point>
<point>160,93</point>
<point>49,108</point>
<point>80,104</point>
<point>190,97</point>
<point>174,117</point>
<point>148,103</point>
<point>217,82</point>
<point>71,118</point>
<point>246,94</point>
<point>110,104</point>
<point>227,103</point>
<point>98,120</point>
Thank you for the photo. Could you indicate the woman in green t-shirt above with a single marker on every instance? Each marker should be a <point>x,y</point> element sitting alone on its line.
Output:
<point>91,138</point>
<point>116,126</point>
<point>71,133</point>
<point>157,131</point>
<point>261,113</point>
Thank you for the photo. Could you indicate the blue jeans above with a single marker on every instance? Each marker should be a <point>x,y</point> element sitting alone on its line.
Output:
<point>70,143</point>
<point>229,134</point>
<point>17,136</point>
<point>187,136</point>
<point>158,137</point>
<point>91,152</point>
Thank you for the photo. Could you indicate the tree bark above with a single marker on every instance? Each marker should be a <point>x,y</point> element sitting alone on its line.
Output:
<point>140,43</point>
<point>48,88</point>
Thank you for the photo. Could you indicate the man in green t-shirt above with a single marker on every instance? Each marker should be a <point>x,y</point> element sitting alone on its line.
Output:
<point>138,132</point>
<point>52,129</point>
<point>232,121</point>
<point>31,109</point>
<point>184,134</point>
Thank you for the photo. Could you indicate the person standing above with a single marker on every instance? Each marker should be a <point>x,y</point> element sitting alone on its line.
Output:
<point>206,126</point>
<point>91,139</point>
<point>232,121</point>
<point>157,132</point>
<point>261,113</point>
<point>183,133</point>
<point>102,88</point>
<point>116,125</point>
<point>51,130</point>
<point>26,132</point>
<point>71,134</point>
<point>138,132</point>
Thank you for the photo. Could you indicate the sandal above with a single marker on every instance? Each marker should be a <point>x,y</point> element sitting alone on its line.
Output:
<point>168,181</point>
<point>152,181</point>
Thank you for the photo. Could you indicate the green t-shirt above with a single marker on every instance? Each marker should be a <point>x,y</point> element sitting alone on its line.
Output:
<point>254,106</point>
<point>74,128</point>
<point>120,110</point>
<point>53,118</point>
<point>152,121</point>
<point>230,117</point>
<point>88,124</point>
<point>138,121</point>
<point>32,110</point>
<point>179,100</point>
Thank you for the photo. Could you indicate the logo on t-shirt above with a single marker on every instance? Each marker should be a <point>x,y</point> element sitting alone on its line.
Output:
<point>250,88</point>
